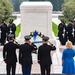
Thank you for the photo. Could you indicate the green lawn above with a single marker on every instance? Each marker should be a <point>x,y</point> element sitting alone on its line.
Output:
<point>55,29</point>
<point>18,30</point>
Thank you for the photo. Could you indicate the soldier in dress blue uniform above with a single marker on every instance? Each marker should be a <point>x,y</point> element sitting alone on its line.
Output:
<point>3,31</point>
<point>71,32</point>
<point>9,55</point>
<point>62,32</point>
<point>44,57</point>
<point>11,28</point>
<point>25,57</point>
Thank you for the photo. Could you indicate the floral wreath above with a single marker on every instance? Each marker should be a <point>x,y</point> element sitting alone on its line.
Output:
<point>39,34</point>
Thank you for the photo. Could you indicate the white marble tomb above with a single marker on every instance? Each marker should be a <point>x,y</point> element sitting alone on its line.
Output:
<point>36,16</point>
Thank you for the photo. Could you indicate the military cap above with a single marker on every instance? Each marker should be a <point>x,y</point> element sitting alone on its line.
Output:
<point>11,21</point>
<point>63,21</point>
<point>45,38</point>
<point>74,20</point>
<point>71,21</point>
<point>3,20</point>
<point>27,37</point>
<point>10,35</point>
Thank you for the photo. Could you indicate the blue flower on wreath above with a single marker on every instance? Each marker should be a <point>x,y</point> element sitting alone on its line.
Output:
<point>35,34</point>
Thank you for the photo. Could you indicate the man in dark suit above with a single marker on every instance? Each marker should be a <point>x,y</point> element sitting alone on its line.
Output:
<point>25,58</point>
<point>44,58</point>
<point>9,55</point>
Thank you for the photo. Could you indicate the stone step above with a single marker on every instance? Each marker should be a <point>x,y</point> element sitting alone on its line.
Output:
<point>33,74</point>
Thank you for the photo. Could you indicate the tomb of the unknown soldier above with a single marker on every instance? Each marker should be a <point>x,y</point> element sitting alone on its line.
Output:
<point>36,16</point>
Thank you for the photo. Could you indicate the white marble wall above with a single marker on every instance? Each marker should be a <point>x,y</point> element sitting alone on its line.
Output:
<point>36,16</point>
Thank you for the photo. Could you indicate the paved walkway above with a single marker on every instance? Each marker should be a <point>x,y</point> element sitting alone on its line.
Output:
<point>55,67</point>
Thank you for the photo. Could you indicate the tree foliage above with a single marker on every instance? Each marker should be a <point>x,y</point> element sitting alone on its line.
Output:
<point>57,4</point>
<point>16,4</point>
<point>68,9</point>
<point>5,9</point>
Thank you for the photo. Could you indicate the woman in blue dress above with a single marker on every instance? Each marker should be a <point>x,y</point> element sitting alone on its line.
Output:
<point>68,66</point>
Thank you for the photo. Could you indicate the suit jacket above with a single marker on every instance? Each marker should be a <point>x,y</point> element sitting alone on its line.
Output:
<point>25,57</point>
<point>44,54</point>
<point>9,52</point>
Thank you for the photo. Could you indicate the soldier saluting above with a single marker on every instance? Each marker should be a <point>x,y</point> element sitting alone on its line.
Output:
<point>25,57</point>
<point>9,55</point>
<point>44,57</point>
